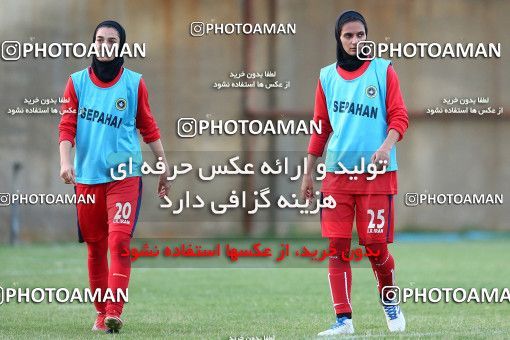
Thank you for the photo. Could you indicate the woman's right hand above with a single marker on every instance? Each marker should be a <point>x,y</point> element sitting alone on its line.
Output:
<point>67,173</point>
<point>307,187</point>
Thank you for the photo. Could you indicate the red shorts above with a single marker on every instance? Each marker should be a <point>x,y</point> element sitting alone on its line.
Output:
<point>374,217</point>
<point>116,208</point>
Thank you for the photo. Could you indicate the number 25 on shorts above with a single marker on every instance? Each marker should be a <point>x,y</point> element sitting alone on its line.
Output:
<point>376,217</point>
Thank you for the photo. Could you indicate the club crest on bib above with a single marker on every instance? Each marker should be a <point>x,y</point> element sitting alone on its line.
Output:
<point>371,91</point>
<point>121,104</point>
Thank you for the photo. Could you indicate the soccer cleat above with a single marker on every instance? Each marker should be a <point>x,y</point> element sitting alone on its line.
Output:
<point>99,324</point>
<point>113,322</point>
<point>343,325</point>
<point>394,317</point>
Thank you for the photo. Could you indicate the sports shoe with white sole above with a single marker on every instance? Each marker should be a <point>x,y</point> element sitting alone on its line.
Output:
<point>394,317</point>
<point>99,323</point>
<point>343,325</point>
<point>113,322</point>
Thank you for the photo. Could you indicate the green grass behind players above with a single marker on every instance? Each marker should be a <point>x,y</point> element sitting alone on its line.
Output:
<point>286,303</point>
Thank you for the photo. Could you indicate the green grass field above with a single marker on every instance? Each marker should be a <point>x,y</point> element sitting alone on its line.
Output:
<point>286,303</point>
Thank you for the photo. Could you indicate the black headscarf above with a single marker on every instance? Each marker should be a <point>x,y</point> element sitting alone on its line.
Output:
<point>106,71</point>
<point>343,59</point>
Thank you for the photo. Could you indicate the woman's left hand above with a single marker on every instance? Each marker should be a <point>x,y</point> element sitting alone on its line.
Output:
<point>380,158</point>
<point>164,184</point>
